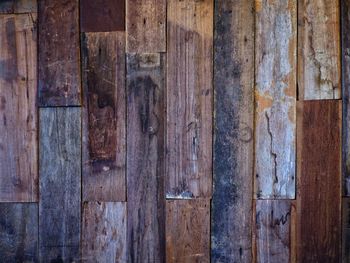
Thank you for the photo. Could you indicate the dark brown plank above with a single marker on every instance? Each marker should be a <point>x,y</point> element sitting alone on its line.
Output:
<point>346,230</point>
<point>18,6</point>
<point>59,67</point>
<point>145,158</point>
<point>104,116</point>
<point>102,15</point>
<point>319,181</point>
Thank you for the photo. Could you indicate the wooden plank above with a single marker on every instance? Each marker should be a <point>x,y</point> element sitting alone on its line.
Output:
<point>275,99</point>
<point>60,180</point>
<point>102,15</point>
<point>189,99</point>
<point>104,232</point>
<point>346,230</point>
<point>18,6</point>
<point>145,158</point>
<point>18,113</point>
<point>319,50</point>
<point>59,57</point>
<point>18,232</point>
<point>188,230</point>
<point>233,129</point>
<point>145,26</point>
<point>104,116</point>
<point>319,181</point>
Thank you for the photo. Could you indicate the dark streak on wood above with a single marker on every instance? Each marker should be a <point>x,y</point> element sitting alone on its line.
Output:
<point>346,230</point>
<point>18,6</point>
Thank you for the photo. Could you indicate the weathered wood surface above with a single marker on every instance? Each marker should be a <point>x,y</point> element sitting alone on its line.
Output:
<point>188,231</point>
<point>59,55</point>
<point>319,181</point>
<point>275,98</point>
<point>18,232</point>
<point>273,231</point>
<point>145,26</point>
<point>102,15</point>
<point>18,114</point>
<point>233,132</point>
<point>145,158</point>
<point>18,6</point>
<point>346,230</point>
<point>60,180</point>
<point>104,116</point>
<point>319,50</point>
<point>104,232</point>
<point>189,99</point>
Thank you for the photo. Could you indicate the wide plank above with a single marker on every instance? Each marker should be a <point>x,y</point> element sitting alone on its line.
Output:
<point>60,183</point>
<point>18,113</point>
<point>104,116</point>
<point>145,157</point>
<point>231,209</point>
<point>189,99</point>
<point>346,230</point>
<point>18,6</point>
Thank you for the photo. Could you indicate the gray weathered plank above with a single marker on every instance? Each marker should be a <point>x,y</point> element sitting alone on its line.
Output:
<point>346,230</point>
<point>18,6</point>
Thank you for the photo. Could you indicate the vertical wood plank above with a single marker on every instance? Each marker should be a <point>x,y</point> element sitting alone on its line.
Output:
<point>189,99</point>
<point>145,26</point>
<point>18,232</point>
<point>18,6</point>
<point>18,113</point>
<point>319,181</point>
<point>104,114</point>
<point>145,158</point>
<point>60,180</point>
<point>187,231</point>
<point>233,128</point>
<point>104,232</point>
<point>346,230</point>
<point>319,50</point>
<point>59,55</point>
<point>275,98</point>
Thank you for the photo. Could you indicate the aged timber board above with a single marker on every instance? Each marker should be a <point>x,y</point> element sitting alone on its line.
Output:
<point>18,6</point>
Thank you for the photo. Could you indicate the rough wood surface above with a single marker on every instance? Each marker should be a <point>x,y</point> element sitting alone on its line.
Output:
<point>189,99</point>
<point>145,158</point>
<point>319,183</point>
<point>18,114</point>
<point>104,232</point>
<point>275,98</point>
<point>346,230</point>
<point>319,50</point>
<point>145,26</point>
<point>59,55</point>
<point>104,116</point>
<point>18,232</point>
<point>60,180</point>
<point>18,6</point>
<point>102,15</point>
<point>188,231</point>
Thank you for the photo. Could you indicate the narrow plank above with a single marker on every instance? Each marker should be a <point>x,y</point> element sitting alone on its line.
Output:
<point>189,98</point>
<point>233,132</point>
<point>18,113</point>
<point>275,98</point>
<point>59,67</point>
<point>18,232</point>
<point>104,116</point>
<point>145,158</point>
<point>319,181</point>
<point>104,232</point>
<point>102,15</point>
<point>60,180</point>
<point>188,231</point>
<point>18,6</point>
<point>346,230</point>
<point>319,50</point>
<point>145,26</point>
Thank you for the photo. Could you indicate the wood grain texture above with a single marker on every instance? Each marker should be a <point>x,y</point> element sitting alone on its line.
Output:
<point>18,6</point>
<point>18,232</point>
<point>18,113</point>
<point>60,183</point>
<point>233,132</point>
<point>346,230</point>
<point>319,50</point>
<point>102,15</point>
<point>189,99</point>
<point>145,26</point>
<point>104,232</point>
<point>59,56</point>
<point>104,116</point>
<point>145,158</point>
<point>188,231</point>
<point>275,99</point>
<point>319,181</point>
